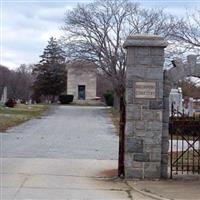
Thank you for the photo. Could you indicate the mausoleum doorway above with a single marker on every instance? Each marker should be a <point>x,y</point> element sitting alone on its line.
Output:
<point>81,92</point>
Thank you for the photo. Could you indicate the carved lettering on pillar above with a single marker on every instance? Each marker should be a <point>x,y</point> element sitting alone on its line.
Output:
<point>145,90</point>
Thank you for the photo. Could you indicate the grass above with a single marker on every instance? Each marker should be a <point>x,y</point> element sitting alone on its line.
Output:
<point>114,114</point>
<point>10,117</point>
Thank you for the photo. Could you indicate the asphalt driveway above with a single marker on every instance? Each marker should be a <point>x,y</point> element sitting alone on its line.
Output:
<point>75,132</point>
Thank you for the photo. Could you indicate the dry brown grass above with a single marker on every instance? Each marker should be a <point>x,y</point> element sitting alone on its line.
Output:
<point>10,117</point>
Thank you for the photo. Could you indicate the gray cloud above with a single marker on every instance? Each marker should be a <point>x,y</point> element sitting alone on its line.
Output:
<point>26,28</point>
<point>27,25</point>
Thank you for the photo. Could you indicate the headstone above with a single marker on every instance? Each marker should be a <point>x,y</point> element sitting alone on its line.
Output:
<point>144,106</point>
<point>4,95</point>
<point>18,101</point>
<point>190,107</point>
<point>180,99</point>
<point>175,98</point>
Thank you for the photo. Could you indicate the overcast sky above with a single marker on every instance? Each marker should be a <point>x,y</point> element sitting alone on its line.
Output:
<point>27,25</point>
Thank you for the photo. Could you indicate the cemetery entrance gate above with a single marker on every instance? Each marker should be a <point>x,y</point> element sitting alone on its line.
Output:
<point>148,85</point>
<point>184,133</point>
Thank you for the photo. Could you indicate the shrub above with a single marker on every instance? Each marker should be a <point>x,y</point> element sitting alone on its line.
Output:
<point>10,103</point>
<point>109,98</point>
<point>66,99</point>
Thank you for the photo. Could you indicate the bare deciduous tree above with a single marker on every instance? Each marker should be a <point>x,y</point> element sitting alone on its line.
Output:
<point>97,31</point>
<point>190,87</point>
<point>188,30</point>
<point>17,81</point>
<point>151,21</point>
<point>94,32</point>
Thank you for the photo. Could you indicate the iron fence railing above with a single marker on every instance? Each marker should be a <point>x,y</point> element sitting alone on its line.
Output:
<point>184,144</point>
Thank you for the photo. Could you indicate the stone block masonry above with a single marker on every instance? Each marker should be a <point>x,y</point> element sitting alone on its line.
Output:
<point>144,99</point>
<point>82,73</point>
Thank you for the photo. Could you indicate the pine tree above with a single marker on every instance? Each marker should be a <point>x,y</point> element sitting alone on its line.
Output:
<point>50,72</point>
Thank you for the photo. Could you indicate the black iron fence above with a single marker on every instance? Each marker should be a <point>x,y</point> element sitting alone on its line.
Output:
<point>184,144</point>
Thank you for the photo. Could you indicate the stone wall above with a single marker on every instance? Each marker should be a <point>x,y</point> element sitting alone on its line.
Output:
<point>82,73</point>
<point>144,110</point>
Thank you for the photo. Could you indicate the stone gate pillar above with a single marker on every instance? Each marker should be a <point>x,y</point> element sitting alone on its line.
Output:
<point>144,109</point>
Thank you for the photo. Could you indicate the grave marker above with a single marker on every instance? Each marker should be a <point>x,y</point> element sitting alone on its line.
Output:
<point>4,95</point>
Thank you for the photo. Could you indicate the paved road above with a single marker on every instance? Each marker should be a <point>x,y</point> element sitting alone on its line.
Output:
<point>69,154</point>
<point>66,132</point>
<point>63,179</point>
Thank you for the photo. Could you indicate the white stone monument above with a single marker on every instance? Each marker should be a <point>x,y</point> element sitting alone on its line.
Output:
<point>190,107</point>
<point>175,98</point>
<point>180,100</point>
<point>4,95</point>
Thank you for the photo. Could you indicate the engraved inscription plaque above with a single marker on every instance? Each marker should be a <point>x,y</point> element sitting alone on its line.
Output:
<point>145,90</point>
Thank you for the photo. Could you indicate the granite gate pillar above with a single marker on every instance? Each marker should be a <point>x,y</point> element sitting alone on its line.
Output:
<point>144,106</point>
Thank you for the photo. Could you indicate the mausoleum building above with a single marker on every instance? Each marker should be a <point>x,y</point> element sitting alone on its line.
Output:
<point>82,80</point>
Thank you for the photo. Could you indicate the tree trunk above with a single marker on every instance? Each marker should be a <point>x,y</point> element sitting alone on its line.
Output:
<point>116,101</point>
<point>121,137</point>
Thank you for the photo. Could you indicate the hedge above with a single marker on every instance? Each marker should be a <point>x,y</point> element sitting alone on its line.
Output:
<point>66,99</point>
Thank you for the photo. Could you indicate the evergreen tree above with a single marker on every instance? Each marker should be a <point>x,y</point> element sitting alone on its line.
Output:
<point>50,72</point>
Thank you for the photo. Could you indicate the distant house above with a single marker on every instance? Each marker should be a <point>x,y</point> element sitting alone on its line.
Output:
<point>82,80</point>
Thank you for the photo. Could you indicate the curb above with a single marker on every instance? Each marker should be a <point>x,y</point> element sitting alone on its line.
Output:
<point>148,194</point>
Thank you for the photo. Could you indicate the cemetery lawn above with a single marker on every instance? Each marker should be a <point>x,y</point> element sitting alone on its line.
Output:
<point>10,117</point>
